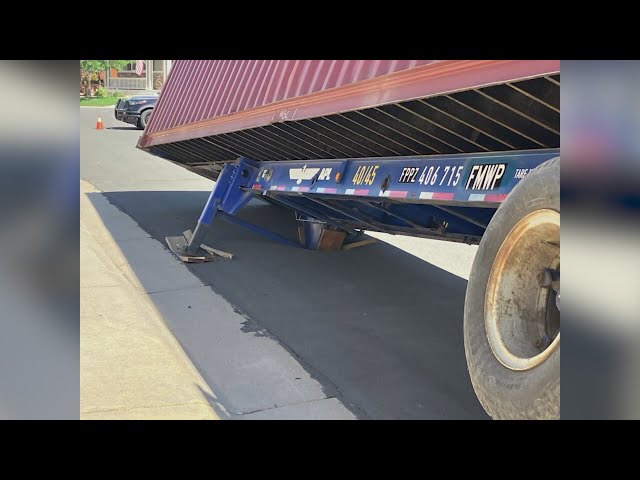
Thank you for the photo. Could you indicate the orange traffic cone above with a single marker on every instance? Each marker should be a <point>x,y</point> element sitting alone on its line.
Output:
<point>99,124</point>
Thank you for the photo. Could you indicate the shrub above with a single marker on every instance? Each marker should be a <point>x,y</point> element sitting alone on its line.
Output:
<point>101,92</point>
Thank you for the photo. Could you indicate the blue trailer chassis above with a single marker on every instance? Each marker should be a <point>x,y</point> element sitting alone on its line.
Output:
<point>449,197</point>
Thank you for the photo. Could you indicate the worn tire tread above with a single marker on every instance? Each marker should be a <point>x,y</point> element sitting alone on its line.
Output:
<point>503,393</point>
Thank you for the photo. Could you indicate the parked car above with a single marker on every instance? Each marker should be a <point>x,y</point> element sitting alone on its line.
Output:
<point>136,110</point>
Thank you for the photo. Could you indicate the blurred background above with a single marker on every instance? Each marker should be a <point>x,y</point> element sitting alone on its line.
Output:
<point>39,268</point>
<point>600,125</point>
<point>39,221</point>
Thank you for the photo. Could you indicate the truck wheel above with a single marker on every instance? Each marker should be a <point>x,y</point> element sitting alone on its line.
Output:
<point>511,315</point>
<point>144,119</point>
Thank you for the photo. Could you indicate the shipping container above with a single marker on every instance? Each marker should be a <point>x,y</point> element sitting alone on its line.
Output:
<point>212,112</point>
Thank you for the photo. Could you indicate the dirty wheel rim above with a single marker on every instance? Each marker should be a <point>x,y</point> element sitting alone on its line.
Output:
<point>517,304</point>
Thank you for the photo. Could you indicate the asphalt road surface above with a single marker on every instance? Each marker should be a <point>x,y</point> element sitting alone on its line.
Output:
<point>380,327</point>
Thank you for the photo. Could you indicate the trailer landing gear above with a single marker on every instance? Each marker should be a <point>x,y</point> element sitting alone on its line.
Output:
<point>228,196</point>
<point>180,247</point>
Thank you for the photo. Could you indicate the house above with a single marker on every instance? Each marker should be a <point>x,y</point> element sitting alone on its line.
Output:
<point>152,78</point>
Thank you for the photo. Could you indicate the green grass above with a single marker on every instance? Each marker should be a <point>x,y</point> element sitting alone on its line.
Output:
<point>95,102</point>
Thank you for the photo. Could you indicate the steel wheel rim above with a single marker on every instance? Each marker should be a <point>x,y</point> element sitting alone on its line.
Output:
<point>515,302</point>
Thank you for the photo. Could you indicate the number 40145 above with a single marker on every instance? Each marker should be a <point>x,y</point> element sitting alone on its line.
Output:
<point>448,176</point>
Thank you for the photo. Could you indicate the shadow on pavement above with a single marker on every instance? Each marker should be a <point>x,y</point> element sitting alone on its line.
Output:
<point>123,128</point>
<point>377,327</point>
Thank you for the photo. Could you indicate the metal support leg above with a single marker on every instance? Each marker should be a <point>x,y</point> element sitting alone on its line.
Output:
<point>187,247</point>
<point>312,234</point>
<point>204,222</point>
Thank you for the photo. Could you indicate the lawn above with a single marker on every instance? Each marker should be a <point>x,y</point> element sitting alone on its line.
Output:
<point>98,102</point>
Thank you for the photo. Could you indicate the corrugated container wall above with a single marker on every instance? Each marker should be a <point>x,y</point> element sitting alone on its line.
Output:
<point>205,89</point>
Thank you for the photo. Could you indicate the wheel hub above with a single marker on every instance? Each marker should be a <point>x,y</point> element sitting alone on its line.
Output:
<point>522,317</point>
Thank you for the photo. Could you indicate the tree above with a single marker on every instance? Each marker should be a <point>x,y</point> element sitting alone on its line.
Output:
<point>90,67</point>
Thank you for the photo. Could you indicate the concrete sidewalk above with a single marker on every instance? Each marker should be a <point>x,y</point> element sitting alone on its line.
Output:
<point>132,293</point>
<point>131,366</point>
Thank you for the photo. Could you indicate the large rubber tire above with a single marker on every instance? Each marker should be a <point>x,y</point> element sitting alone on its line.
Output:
<point>503,392</point>
<point>144,119</point>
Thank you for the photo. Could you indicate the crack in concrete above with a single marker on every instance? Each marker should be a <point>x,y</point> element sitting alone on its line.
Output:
<point>175,289</point>
<point>275,407</point>
<point>133,407</point>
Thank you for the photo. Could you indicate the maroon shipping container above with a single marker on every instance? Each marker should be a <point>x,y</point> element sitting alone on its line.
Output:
<point>206,89</point>
<point>214,111</point>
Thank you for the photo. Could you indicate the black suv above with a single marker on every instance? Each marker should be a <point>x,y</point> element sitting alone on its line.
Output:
<point>136,110</point>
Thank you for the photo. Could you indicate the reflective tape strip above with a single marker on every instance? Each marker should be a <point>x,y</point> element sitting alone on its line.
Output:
<point>397,194</point>
<point>487,197</point>
<point>495,197</point>
<point>443,196</point>
<point>393,194</point>
<point>436,195</point>
<point>357,191</point>
<point>476,197</point>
